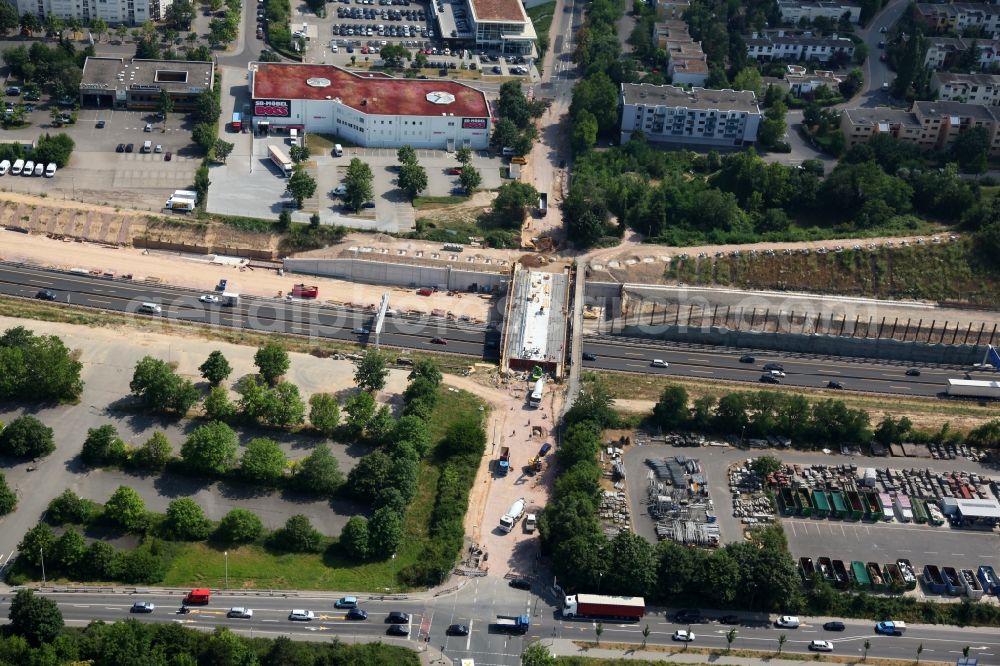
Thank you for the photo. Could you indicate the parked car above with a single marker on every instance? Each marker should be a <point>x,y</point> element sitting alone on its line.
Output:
<point>687,617</point>
<point>167,156</point>
<point>100,124</point>
<point>129,148</point>
<point>120,148</point>
<point>729,619</point>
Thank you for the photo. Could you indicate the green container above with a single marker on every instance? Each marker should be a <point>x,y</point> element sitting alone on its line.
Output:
<point>855,507</point>
<point>919,507</point>
<point>860,575</point>
<point>839,509</point>
<point>821,507</point>
<point>872,506</point>
<point>805,506</point>
<point>787,500</point>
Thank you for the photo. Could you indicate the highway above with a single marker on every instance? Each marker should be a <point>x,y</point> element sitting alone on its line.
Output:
<point>260,314</point>
<point>718,363</point>
<point>480,600</point>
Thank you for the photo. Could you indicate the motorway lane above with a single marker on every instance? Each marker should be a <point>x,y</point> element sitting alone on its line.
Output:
<point>801,370</point>
<point>431,616</point>
<point>298,317</point>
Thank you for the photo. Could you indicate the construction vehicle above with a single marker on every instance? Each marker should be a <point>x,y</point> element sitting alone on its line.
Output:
<point>513,624</point>
<point>534,465</point>
<point>503,465</point>
<point>305,291</point>
<point>514,513</point>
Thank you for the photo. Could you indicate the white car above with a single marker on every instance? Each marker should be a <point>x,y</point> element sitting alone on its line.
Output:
<point>301,615</point>
<point>658,363</point>
<point>240,612</point>
<point>777,373</point>
<point>209,298</point>
<point>361,331</point>
<point>684,635</point>
<point>821,646</point>
<point>340,190</point>
<point>788,622</point>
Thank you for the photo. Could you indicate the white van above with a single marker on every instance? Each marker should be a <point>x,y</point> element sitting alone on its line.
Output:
<point>39,169</point>
<point>29,168</point>
<point>147,146</point>
<point>4,167</point>
<point>338,150</point>
<point>17,168</point>
<point>151,308</point>
<point>507,151</point>
<point>50,170</point>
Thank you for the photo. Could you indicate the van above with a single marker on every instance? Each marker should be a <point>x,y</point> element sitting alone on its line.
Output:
<point>338,150</point>
<point>4,167</point>
<point>151,308</point>
<point>17,168</point>
<point>507,151</point>
<point>147,146</point>
<point>50,170</point>
<point>39,169</point>
<point>29,168</point>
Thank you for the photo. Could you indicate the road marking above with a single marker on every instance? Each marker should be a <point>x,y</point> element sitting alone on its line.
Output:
<point>703,372</point>
<point>269,620</point>
<point>908,388</point>
<point>633,354</point>
<point>635,365</point>
<point>98,300</point>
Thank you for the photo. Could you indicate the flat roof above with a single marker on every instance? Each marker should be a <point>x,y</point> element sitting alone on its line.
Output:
<point>881,114</point>
<point>697,98</point>
<point>510,11</point>
<point>180,76</point>
<point>977,508</point>
<point>376,95</point>
<point>939,108</point>
<point>537,328</point>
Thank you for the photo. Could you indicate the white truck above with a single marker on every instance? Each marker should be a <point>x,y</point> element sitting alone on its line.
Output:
<point>530,523</point>
<point>280,160</point>
<point>973,388</point>
<point>514,513</point>
<point>183,204</point>
<point>229,298</point>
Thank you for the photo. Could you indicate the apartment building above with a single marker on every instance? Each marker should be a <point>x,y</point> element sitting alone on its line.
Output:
<point>793,11</point>
<point>930,125</point>
<point>960,16</point>
<point>800,82</point>
<point>785,45</point>
<point>970,88</point>
<point>686,63</point>
<point>114,12</point>
<point>696,119</point>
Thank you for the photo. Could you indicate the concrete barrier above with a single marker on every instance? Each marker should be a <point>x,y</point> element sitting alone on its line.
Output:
<point>400,274</point>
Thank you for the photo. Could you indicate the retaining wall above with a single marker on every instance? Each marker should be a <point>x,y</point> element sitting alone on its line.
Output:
<point>398,274</point>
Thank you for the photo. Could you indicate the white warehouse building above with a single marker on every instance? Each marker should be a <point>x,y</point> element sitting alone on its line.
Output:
<point>696,118</point>
<point>131,12</point>
<point>373,110</point>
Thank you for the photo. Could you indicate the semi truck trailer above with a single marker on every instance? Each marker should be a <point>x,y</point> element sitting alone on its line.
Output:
<point>597,605</point>
<point>973,388</point>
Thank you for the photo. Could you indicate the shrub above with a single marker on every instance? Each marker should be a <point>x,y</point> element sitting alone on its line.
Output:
<point>215,369</point>
<point>125,507</point>
<point>37,367</point>
<point>210,449</point>
<point>298,536</point>
<point>26,437</point>
<point>154,454</point>
<point>239,526</point>
<point>354,538</point>
<point>324,413</point>
<point>263,461</point>
<point>186,521</point>
<point>8,500</point>
<point>103,446</point>
<point>318,473</point>
<point>70,508</point>
<point>218,406</point>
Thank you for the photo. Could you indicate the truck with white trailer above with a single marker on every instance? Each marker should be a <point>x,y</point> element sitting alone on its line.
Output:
<point>514,513</point>
<point>974,388</point>
<point>280,160</point>
<point>182,204</point>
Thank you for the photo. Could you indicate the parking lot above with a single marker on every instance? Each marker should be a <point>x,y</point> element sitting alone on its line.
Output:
<point>98,173</point>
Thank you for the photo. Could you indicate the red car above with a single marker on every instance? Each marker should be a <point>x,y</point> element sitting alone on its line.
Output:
<point>455,171</point>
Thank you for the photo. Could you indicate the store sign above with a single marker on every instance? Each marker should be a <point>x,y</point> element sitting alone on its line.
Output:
<point>474,123</point>
<point>274,108</point>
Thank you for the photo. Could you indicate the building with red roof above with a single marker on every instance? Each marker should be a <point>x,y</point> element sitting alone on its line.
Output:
<point>371,110</point>
<point>503,25</point>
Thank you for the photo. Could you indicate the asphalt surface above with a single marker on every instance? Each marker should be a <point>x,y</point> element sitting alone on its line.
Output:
<point>259,314</point>
<point>719,363</point>
<point>478,603</point>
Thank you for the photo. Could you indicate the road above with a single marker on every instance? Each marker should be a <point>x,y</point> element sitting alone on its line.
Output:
<point>480,600</point>
<point>259,314</point>
<point>719,363</point>
<point>876,71</point>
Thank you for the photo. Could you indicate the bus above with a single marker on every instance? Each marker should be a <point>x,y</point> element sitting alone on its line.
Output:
<point>535,399</point>
<point>237,123</point>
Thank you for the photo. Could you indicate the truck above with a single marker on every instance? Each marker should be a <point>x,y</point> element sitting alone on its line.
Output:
<point>599,605</point>
<point>181,204</point>
<point>305,291</point>
<point>237,123</point>
<point>185,194</point>
<point>535,399</point>
<point>229,298</point>
<point>198,597</point>
<point>530,522</point>
<point>513,624</point>
<point>514,513</point>
<point>543,201</point>
<point>503,465</point>
<point>280,159</point>
<point>890,628</point>
<point>973,388</point>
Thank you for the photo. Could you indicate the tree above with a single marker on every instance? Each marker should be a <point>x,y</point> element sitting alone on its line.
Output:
<point>26,437</point>
<point>99,27</point>
<point>764,465</point>
<point>103,446</point>
<point>359,183</point>
<point>159,388</point>
<point>634,573</point>
<point>513,201</point>
<point>218,406</point>
<point>772,127</point>
<point>201,183</point>
<point>69,508</point>
<point>301,185</point>
<point>394,55</point>
<point>125,507</point>
<point>207,107</point>
<point>920,649</point>
<point>598,630</point>
<point>263,461</point>
<point>584,132</point>
<point>505,134</point>
<point>406,155</point>
<point>239,526</point>
<point>781,642</point>
<point>272,361</point>
<point>470,178</point>
<point>69,550</point>
<point>216,368</point>
<point>8,500</point>
<point>186,521</point>
<point>166,104</point>
<point>222,149</point>
<point>284,220</point>
<point>56,149</point>
<point>537,654</point>
<point>204,135</point>
<point>121,31</point>
<point>180,13</point>
<point>385,531</point>
<point>360,409</point>
<point>371,372</point>
<point>730,637</point>
<point>412,179</point>
<point>671,411</point>
<point>210,449</point>
<point>749,79</point>
<point>354,538</point>
<point>970,150</point>
<point>299,153</point>
<point>867,646</point>
<point>318,473</point>
<point>36,618</point>
<point>8,18</point>
<point>414,431</point>
<point>154,454</point>
<point>299,536</point>
<point>427,369</point>
<point>324,413</point>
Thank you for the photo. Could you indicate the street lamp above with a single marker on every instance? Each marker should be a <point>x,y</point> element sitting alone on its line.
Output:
<point>41,554</point>
<point>226,555</point>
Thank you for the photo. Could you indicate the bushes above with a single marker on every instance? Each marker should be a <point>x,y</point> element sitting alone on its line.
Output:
<point>37,367</point>
<point>186,520</point>
<point>160,389</point>
<point>263,461</point>
<point>26,437</point>
<point>210,449</point>
<point>239,526</point>
<point>8,500</point>
<point>70,508</point>
<point>126,508</point>
<point>280,406</point>
<point>318,473</point>
<point>297,536</point>
<point>103,446</point>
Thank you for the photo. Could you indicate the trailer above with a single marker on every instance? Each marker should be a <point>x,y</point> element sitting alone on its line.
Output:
<point>873,509</point>
<point>786,501</point>
<point>859,575</point>
<point>875,576</point>
<point>919,511</point>
<point>839,506</point>
<point>952,581</point>
<point>512,624</point>
<point>805,506</point>
<point>893,578</point>
<point>904,509</point>
<point>908,573</point>
<point>933,579</point>
<point>885,499</point>
<point>229,298</point>
<point>973,388</point>
<point>807,569</point>
<point>820,504</point>
<point>597,605</point>
<point>855,508</point>
<point>826,569</point>
<point>503,464</point>
<point>280,160</point>
<point>182,204</point>
<point>973,589</point>
<point>988,580</point>
<point>934,515</point>
<point>840,575</point>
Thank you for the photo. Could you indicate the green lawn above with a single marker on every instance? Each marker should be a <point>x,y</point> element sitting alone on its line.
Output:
<point>253,567</point>
<point>541,18</point>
